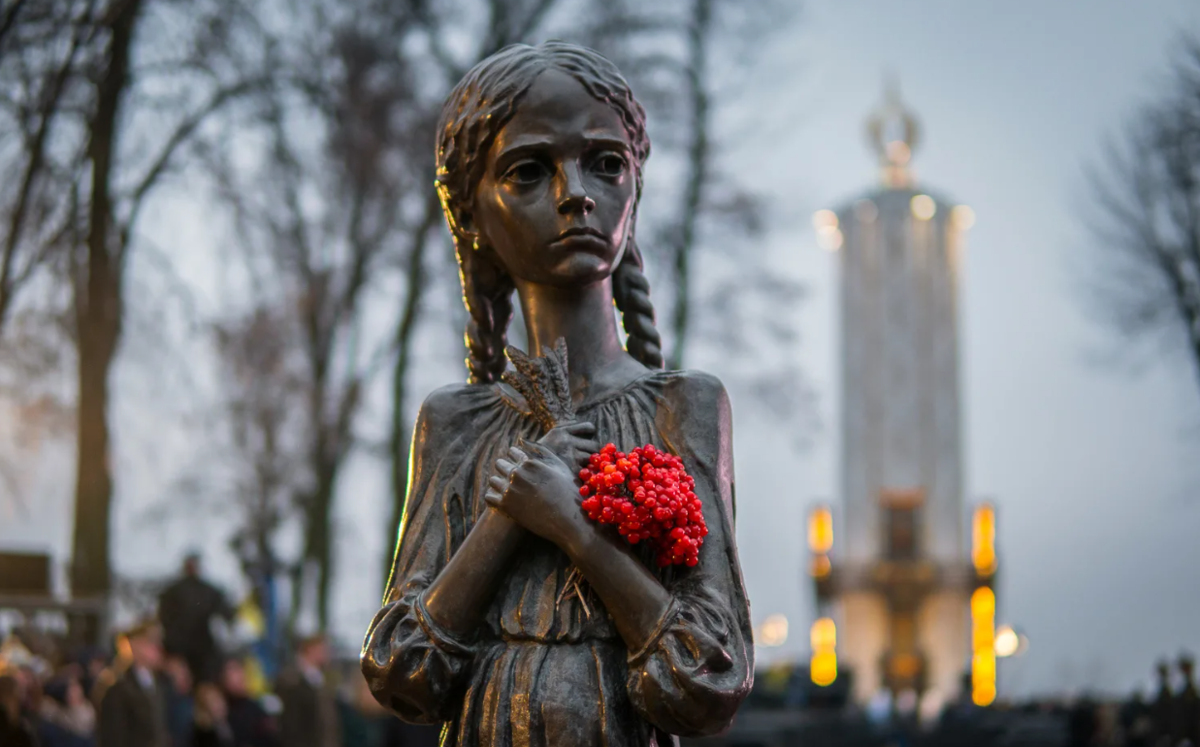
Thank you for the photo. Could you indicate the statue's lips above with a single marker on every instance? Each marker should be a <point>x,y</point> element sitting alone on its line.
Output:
<point>583,236</point>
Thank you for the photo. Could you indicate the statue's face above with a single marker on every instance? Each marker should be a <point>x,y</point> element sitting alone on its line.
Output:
<point>558,193</point>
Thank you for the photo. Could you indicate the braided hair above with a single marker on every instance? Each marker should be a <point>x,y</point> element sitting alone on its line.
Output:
<point>473,115</point>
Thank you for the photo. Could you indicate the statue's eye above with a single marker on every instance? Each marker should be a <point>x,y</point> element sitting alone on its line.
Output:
<point>609,164</point>
<point>526,172</point>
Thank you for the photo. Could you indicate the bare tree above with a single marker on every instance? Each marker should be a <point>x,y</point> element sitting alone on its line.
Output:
<point>41,75</point>
<point>102,126</point>
<point>1146,285</point>
<point>327,204</point>
<point>121,178</point>
<point>262,380</point>
<point>41,147</point>
<point>695,180</point>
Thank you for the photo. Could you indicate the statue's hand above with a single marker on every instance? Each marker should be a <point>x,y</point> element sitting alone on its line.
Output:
<point>539,491</point>
<point>573,443</point>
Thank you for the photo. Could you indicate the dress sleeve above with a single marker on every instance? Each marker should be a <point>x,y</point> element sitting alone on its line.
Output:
<point>696,669</point>
<point>414,668</point>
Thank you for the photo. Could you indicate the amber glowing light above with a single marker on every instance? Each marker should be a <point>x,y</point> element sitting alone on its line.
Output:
<point>983,644</point>
<point>983,542</point>
<point>820,531</point>
<point>983,607</point>
<point>822,666</point>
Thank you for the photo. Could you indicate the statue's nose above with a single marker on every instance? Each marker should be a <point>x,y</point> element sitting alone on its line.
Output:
<point>573,196</point>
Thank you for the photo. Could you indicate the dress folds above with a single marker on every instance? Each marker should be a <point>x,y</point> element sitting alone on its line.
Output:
<point>517,682</point>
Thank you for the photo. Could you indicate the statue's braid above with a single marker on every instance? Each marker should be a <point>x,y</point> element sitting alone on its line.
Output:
<point>631,292</point>
<point>487,292</point>
<point>487,288</point>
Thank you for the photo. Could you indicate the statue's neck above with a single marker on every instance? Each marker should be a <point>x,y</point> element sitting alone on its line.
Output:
<point>584,317</point>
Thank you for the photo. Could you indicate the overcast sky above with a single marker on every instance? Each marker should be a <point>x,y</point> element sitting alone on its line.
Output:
<point>1095,471</point>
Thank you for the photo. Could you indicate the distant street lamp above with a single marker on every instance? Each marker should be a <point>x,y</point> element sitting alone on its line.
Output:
<point>774,631</point>
<point>1010,642</point>
<point>1007,641</point>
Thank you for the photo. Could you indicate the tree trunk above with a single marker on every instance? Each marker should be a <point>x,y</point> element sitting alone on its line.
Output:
<point>405,328</point>
<point>698,154</point>
<point>320,533</point>
<point>1195,344</point>
<point>98,316</point>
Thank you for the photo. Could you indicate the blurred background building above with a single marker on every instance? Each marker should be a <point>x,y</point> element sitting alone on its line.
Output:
<point>896,595</point>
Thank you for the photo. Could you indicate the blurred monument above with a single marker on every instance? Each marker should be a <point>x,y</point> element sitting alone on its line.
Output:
<point>903,601</point>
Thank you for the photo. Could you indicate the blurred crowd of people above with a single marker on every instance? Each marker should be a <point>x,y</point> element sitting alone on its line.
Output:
<point>786,708</point>
<point>166,683</point>
<point>1171,719</point>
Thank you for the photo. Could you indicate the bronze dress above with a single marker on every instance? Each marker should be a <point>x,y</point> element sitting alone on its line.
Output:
<point>544,674</point>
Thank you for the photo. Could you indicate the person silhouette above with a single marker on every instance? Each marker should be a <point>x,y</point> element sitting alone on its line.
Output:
<point>1163,709</point>
<point>186,610</point>
<point>1135,721</point>
<point>1187,704</point>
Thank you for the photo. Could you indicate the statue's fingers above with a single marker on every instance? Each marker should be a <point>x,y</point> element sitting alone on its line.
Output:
<point>582,458</point>
<point>517,455</point>
<point>497,483</point>
<point>587,445</point>
<point>493,499</point>
<point>580,428</point>
<point>539,450</point>
<point>506,467</point>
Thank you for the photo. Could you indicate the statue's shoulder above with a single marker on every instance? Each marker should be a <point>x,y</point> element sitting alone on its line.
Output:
<point>453,405</point>
<point>695,415</point>
<point>699,390</point>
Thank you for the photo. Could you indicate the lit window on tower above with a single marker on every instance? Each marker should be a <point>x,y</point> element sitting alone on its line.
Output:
<point>822,666</point>
<point>820,531</point>
<point>983,645</point>
<point>983,540</point>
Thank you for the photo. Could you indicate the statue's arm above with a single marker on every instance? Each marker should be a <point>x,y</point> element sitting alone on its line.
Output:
<point>418,650</point>
<point>691,656</point>
<point>461,593</point>
<point>634,597</point>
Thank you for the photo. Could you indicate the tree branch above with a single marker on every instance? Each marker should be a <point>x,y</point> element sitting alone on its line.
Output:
<point>36,149</point>
<point>698,165</point>
<point>8,20</point>
<point>180,135</point>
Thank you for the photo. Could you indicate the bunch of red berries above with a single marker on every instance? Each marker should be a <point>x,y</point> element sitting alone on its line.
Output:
<point>649,496</point>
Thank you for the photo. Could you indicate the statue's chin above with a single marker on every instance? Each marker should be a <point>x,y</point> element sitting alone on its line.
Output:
<point>578,270</point>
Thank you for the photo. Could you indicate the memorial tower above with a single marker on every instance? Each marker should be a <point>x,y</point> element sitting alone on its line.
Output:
<point>895,590</point>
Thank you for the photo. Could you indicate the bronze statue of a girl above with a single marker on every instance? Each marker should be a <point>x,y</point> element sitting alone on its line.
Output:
<point>540,170</point>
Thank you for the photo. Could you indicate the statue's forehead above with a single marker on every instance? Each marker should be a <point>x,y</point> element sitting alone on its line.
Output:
<point>557,107</point>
